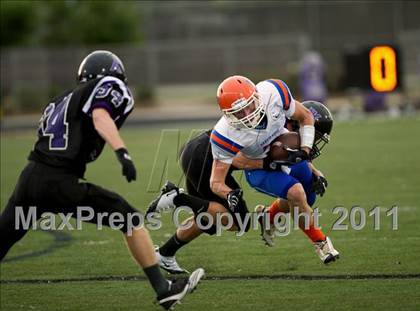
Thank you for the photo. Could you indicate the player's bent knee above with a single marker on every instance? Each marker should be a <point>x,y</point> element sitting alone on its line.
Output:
<point>215,208</point>
<point>131,218</point>
<point>296,194</point>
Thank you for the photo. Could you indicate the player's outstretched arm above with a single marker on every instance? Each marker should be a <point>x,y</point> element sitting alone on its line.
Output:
<point>107,129</point>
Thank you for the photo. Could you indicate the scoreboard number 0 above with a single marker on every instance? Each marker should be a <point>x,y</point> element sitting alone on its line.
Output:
<point>374,68</point>
<point>383,68</point>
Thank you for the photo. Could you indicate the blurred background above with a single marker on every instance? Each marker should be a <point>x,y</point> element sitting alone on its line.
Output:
<point>176,52</point>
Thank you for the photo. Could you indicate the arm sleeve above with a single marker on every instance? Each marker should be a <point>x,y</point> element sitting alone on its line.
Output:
<point>221,155</point>
<point>112,95</point>
<point>223,148</point>
<point>285,95</point>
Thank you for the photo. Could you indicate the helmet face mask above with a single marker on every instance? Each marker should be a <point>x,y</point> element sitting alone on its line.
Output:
<point>321,140</point>
<point>245,113</point>
<point>99,64</point>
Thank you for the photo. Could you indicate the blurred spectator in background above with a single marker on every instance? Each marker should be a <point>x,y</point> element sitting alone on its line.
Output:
<point>374,101</point>
<point>312,78</point>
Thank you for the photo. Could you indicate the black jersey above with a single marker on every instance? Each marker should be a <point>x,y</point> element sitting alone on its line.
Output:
<point>66,135</point>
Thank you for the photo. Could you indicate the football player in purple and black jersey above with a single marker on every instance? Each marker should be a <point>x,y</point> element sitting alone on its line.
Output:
<point>73,130</point>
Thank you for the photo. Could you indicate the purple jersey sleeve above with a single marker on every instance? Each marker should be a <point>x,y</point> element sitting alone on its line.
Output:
<point>112,95</point>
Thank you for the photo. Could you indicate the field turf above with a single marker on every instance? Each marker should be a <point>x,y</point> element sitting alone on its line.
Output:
<point>368,163</point>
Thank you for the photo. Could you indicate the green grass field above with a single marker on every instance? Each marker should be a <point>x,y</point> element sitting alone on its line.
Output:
<point>368,163</point>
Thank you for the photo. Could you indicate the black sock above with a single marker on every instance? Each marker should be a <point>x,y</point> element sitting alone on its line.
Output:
<point>196,204</point>
<point>171,246</point>
<point>156,279</point>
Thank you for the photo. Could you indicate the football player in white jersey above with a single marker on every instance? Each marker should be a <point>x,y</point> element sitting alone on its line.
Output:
<point>253,116</point>
<point>242,138</point>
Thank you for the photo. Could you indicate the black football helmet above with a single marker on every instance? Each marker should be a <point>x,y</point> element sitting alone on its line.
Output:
<point>100,64</point>
<point>323,126</point>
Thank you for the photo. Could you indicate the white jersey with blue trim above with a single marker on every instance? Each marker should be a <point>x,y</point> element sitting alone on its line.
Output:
<point>227,141</point>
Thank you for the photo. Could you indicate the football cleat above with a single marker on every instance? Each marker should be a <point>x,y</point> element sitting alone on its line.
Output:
<point>267,235</point>
<point>168,263</point>
<point>165,200</point>
<point>179,288</point>
<point>326,251</point>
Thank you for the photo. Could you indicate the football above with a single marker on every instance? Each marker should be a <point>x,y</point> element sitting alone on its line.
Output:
<point>278,148</point>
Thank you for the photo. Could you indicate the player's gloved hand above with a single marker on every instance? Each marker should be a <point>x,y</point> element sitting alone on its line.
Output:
<point>297,156</point>
<point>128,168</point>
<point>272,165</point>
<point>233,198</point>
<point>319,184</point>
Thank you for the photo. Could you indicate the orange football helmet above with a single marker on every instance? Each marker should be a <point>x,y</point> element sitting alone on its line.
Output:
<point>239,101</point>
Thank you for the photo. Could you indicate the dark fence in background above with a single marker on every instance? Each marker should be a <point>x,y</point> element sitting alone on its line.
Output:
<point>206,41</point>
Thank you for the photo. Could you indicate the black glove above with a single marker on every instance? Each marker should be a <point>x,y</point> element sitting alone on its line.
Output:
<point>297,156</point>
<point>128,169</point>
<point>319,185</point>
<point>273,165</point>
<point>233,198</point>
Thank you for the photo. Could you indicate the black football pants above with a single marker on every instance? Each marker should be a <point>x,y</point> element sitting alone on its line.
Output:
<point>196,162</point>
<point>52,190</point>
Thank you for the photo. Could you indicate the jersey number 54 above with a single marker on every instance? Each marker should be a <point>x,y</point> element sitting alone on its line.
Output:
<point>54,124</point>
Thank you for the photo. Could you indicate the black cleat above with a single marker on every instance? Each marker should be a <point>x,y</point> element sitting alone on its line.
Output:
<point>179,288</point>
<point>165,200</point>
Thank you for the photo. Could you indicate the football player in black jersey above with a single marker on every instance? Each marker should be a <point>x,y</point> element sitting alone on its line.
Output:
<point>196,162</point>
<point>73,130</point>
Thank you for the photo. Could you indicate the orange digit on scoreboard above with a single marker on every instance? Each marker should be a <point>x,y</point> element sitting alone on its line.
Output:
<point>383,68</point>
